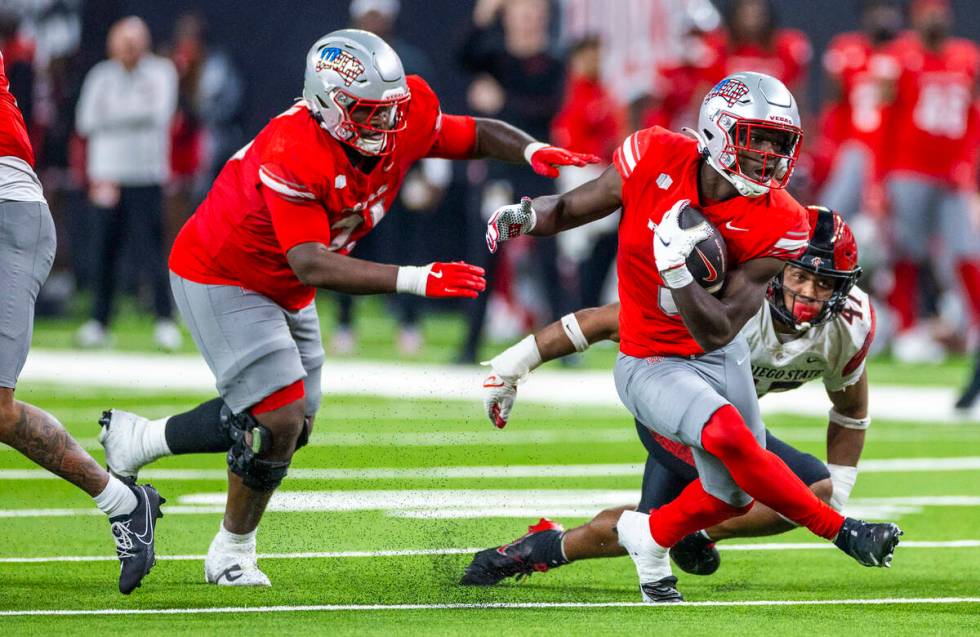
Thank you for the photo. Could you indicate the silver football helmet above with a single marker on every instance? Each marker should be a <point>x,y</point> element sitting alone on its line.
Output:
<point>355,87</point>
<point>749,131</point>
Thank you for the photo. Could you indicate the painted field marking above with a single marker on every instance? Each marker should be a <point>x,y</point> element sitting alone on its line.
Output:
<point>894,465</point>
<point>315,555</point>
<point>501,606</point>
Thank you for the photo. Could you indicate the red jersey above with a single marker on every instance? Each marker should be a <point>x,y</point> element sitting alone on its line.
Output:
<point>933,106</point>
<point>786,59</point>
<point>860,69</point>
<point>294,184</point>
<point>590,120</point>
<point>658,168</point>
<point>14,141</point>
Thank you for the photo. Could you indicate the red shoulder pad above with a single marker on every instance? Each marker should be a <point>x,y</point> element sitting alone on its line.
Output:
<point>280,180</point>
<point>634,147</point>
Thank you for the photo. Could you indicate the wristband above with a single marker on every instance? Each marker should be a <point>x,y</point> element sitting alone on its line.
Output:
<point>843,478</point>
<point>412,279</point>
<point>847,422</point>
<point>532,148</point>
<point>677,277</point>
<point>574,332</point>
<point>517,361</point>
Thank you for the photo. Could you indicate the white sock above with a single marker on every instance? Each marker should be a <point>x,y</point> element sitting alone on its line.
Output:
<point>155,440</point>
<point>238,541</point>
<point>116,499</point>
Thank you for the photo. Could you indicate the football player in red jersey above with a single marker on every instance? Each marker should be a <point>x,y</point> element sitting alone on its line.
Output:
<point>277,225</point>
<point>816,324</point>
<point>932,168</point>
<point>682,365</point>
<point>857,65</point>
<point>27,248</point>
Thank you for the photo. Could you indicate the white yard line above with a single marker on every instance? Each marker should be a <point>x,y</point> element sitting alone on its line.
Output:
<point>894,465</point>
<point>442,382</point>
<point>501,606</point>
<point>311,555</point>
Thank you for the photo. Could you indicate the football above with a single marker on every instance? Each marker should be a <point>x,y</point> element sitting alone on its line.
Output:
<point>709,261</point>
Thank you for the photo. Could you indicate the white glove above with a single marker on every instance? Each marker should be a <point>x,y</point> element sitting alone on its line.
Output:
<point>672,245</point>
<point>510,221</point>
<point>510,367</point>
<point>499,395</point>
<point>843,478</point>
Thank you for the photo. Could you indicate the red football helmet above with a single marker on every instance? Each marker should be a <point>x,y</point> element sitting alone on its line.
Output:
<point>832,253</point>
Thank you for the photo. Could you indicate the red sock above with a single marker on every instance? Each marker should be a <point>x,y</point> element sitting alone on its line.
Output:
<point>764,476</point>
<point>904,297</point>
<point>694,509</point>
<point>969,272</point>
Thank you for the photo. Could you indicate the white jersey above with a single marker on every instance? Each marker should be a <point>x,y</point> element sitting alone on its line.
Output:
<point>834,351</point>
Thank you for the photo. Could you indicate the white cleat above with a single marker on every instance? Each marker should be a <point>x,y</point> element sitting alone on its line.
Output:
<point>657,584</point>
<point>122,437</point>
<point>233,566</point>
<point>91,335</point>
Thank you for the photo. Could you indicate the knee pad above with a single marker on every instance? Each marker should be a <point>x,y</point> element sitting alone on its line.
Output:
<point>251,441</point>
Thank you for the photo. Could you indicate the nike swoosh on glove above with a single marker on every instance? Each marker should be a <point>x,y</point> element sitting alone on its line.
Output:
<point>499,395</point>
<point>441,280</point>
<point>545,159</point>
<point>510,221</point>
<point>673,244</point>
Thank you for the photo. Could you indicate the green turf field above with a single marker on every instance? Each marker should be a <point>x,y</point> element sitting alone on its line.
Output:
<point>431,511</point>
<point>376,331</point>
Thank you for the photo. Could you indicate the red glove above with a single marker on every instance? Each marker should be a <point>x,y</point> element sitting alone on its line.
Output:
<point>544,158</point>
<point>441,280</point>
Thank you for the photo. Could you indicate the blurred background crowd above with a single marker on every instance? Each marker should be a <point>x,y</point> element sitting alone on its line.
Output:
<point>133,107</point>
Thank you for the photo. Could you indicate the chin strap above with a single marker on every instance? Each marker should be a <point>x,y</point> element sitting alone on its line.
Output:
<point>744,187</point>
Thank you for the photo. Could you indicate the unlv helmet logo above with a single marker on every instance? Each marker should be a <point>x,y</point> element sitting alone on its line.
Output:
<point>729,90</point>
<point>348,67</point>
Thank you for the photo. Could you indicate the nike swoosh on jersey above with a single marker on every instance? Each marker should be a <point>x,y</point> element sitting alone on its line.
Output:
<point>735,228</point>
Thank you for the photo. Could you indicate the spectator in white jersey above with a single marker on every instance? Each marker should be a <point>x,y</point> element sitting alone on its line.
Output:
<point>125,111</point>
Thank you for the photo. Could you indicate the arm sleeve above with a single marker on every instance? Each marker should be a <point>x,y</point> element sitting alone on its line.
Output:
<point>455,137</point>
<point>297,216</point>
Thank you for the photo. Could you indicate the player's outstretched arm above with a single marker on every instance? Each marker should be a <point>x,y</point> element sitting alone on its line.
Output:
<point>496,139</point>
<point>849,422</point>
<point>574,332</point>
<point>317,266</point>
<point>545,216</point>
<point>714,322</point>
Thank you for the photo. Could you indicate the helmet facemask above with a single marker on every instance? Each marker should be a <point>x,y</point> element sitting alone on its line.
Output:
<point>760,152</point>
<point>369,126</point>
<point>831,259</point>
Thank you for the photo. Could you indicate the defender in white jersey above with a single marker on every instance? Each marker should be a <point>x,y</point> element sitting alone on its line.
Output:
<point>816,324</point>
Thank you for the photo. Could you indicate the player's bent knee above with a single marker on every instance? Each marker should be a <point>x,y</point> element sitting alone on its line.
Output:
<point>823,489</point>
<point>726,434</point>
<point>264,441</point>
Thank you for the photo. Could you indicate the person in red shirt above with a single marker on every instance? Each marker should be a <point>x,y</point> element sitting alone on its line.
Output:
<point>931,172</point>
<point>753,42</point>
<point>277,225</point>
<point>682,365</point>
<point>857,64</point>
<point>27,250</point>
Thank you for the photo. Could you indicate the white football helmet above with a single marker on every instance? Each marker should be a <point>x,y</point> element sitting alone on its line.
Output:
<point>355,87</point>
<point>749,131</point>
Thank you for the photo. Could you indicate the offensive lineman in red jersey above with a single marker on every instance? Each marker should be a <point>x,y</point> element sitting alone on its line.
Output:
<point>27,247</point>
<point>278,224</point>
<point>681,368</point>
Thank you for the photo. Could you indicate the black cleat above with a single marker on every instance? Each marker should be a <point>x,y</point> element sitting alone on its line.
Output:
<point>696,554</point>
<point>662,591</point>
<point>869,543</point>
<point>134,537</point>
<point>515,559</point>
